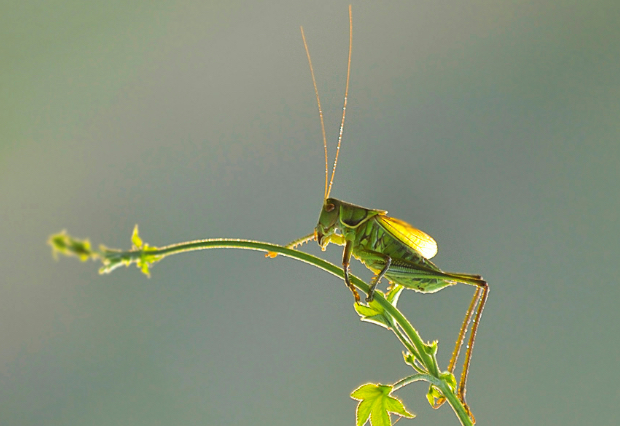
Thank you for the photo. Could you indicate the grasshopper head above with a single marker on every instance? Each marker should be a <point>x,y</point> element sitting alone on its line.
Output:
<point>328,222</point>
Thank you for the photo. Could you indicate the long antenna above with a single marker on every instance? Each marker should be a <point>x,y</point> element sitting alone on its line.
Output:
<point>328,188</point>
<point>344,107</point>
<point>318,101</point>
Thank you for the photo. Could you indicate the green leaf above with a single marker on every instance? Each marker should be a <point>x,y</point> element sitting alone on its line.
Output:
<point>376,403</point>
<point>394,293</point>
<point>135,238</point>
<point>146,260</point>
<point>375,314</point>
<point>433,395</point>
<point>409,359</point>
<point>366,311</point>
<point>431,348</point>
<point>64,244</point>
<point>450,380</point>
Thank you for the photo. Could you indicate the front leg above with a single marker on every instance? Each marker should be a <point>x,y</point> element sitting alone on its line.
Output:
<point>346,259</point>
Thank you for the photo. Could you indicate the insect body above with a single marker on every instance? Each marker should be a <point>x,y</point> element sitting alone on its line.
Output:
<point>389,247</point>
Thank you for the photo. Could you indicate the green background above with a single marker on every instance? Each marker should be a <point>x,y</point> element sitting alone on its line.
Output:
<point>492,126</point>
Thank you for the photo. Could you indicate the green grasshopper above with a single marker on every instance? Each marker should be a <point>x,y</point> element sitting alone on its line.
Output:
<point>389,247</point>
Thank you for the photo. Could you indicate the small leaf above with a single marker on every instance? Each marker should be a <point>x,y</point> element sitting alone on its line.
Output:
<point>366,311</point>
<point>373,313</point>
<point>433,395</point>
<point>376,403</point>
<point>409,359</point>
<point>394,293</point>
<point>450,380</point>
<point>431,348</point>
<point>145,270</point>
<point>67,245</point>
<point>135,238</point>
<point>146,260</point>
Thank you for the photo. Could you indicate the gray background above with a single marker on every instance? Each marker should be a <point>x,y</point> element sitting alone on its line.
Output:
<point>493,126</point>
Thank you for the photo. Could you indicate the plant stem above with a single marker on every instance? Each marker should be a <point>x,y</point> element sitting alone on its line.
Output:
<point>144,256</point>
<point>403,323</point>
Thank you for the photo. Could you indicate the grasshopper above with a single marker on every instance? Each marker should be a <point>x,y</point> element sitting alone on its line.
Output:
<point>389,247</point>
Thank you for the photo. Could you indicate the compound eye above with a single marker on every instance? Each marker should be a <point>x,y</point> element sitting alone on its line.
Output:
<point>329,207</point>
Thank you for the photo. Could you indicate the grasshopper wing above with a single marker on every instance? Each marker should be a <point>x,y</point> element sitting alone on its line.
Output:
<point>407,234</point>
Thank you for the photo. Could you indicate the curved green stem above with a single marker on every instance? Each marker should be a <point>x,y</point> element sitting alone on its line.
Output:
<point>144,256</point>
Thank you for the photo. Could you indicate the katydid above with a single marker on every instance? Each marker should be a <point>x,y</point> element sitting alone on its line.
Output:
<point>389,247</point>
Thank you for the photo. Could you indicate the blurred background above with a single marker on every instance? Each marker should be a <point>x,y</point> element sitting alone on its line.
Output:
<point>492,126</point>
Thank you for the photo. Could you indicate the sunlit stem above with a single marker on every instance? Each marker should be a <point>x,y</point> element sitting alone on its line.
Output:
<point>144,256</point>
